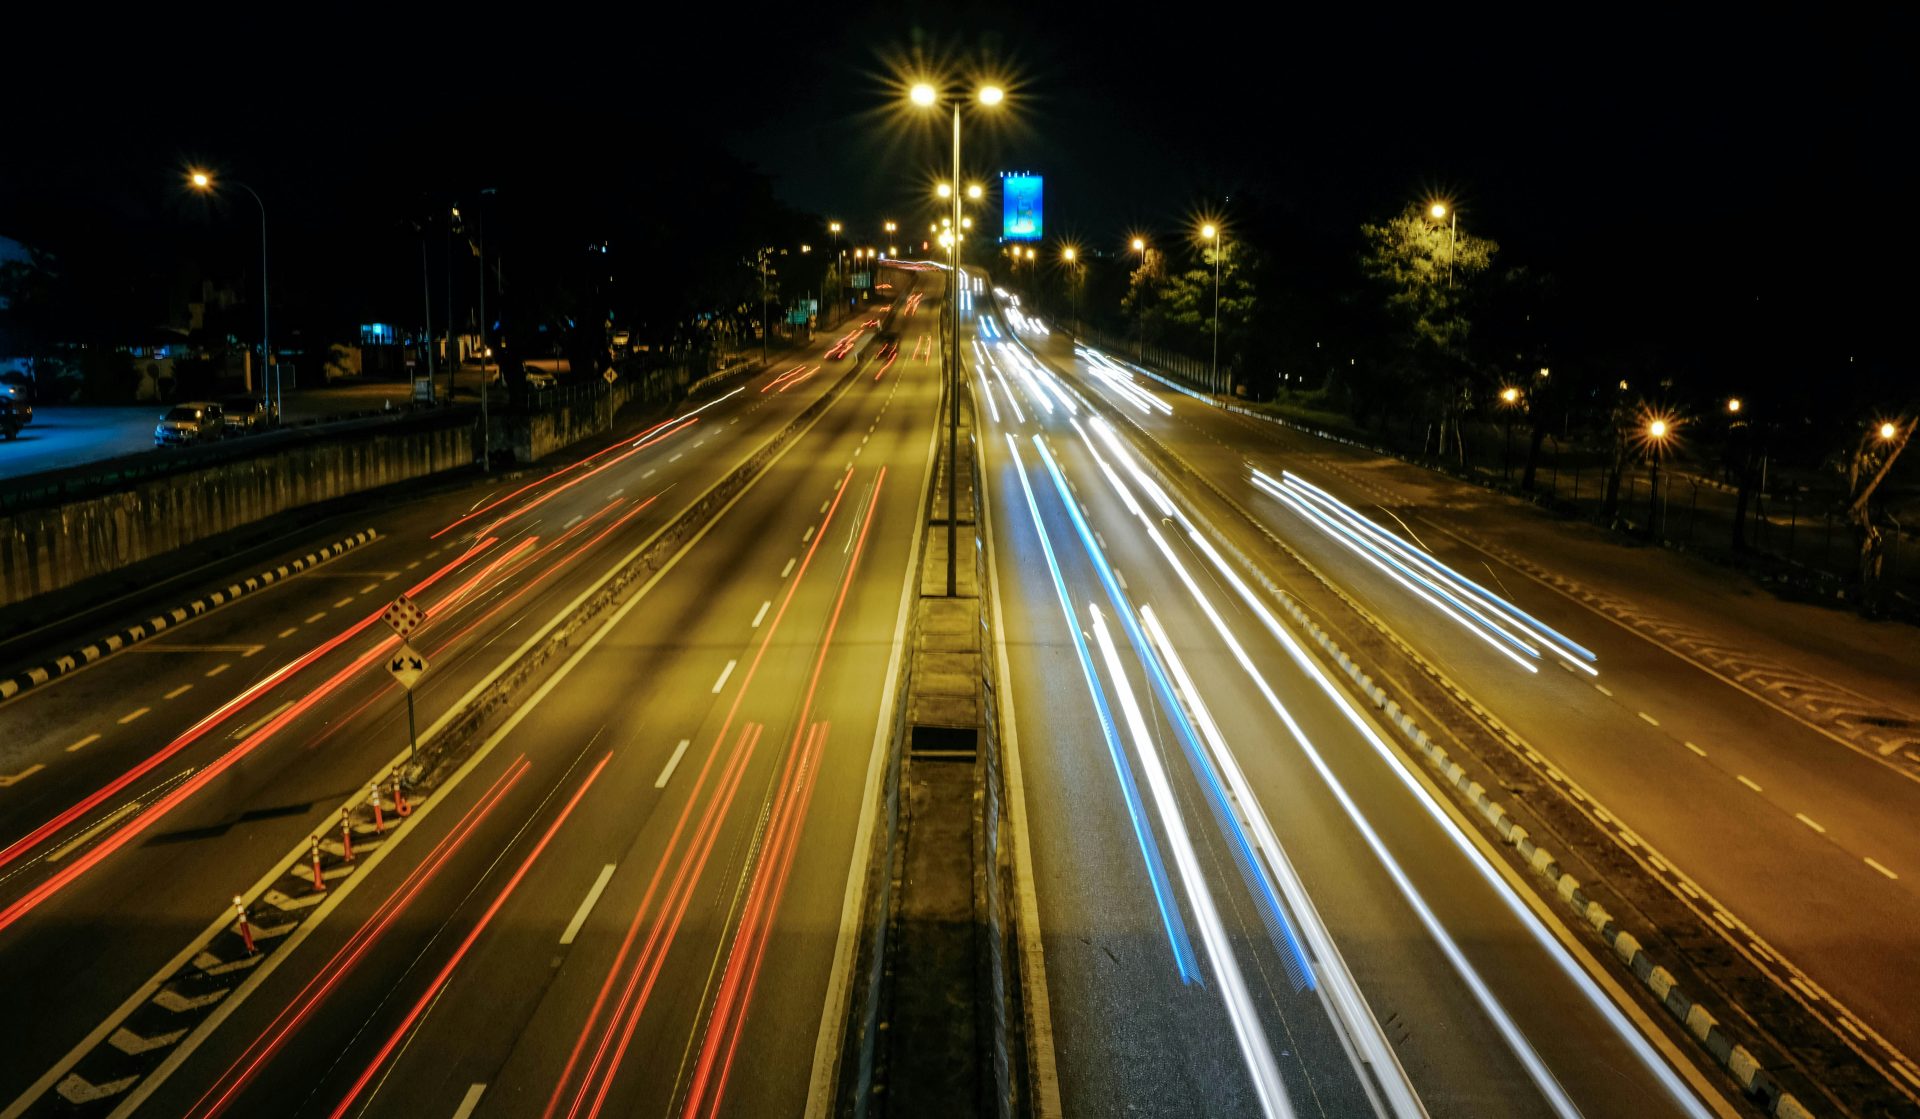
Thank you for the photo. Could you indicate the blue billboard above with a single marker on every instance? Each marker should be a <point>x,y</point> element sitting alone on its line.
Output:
<point>1020,207</point>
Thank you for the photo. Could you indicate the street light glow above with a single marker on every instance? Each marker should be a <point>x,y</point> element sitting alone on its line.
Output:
<point>1888,431</point>
<point>1209,231</point>
<point>1657,429</point>
<point>991,95</point>
<point>1067,254</point>
<point>974,191</point>
<point>833,227</point>
<point>1139,245</point>
<point>923,95</point>
<point>966,223</point>
<point>1733,405</point>
<point>1510,395</point>
<point>1438,210</point>
<point>200,180</point>
<point>944,190</point>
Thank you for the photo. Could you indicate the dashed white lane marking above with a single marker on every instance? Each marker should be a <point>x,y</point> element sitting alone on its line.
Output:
<point>1695,749</point>
<point>414,564</point>
<point>787,570</point>
<point>85,837</point>
<point>178,692</point>
<point>673,763</point>
<point>576,520</point>
<point>823,505</point>
<point>288,632</point>
<point>367,588</point>
<point>247,731</point>
<point>469,1101</point>
<point>856,453</point>
<point>616,493</point>
<point>648,474</point>
<point>1876,865</point>
<point>580,914</point>
<point>678,457</point>
<point>1651,721</point>
<point>343,602</point>
<point>83,743</point>
<point>1747,781</point>
<point>1121,578</point>
<point>808,535</point>
<point>724,673</point>
<point>15,779</point>
<point>1602,689</point>
<point>134,714</point>
<point>761,613</point>
<point>315,618</point>
<point>389,576</point>
<point>1810,822</point>
<point>863,440</point>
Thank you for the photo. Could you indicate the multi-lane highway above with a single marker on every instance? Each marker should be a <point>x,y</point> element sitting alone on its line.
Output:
<point>1248,903</point>
<point>1754,750</point>
<point>629,898</point>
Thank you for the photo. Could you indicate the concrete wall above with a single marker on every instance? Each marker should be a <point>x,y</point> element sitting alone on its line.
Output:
<point>532,436</point>
<point>45,549</point>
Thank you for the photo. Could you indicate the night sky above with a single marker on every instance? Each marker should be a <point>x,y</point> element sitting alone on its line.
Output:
<point>1738,188</point>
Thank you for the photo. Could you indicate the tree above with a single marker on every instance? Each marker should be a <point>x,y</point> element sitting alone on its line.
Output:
<point>1864,468</point>
<point>1425,272</point>
<point>1187,300</point>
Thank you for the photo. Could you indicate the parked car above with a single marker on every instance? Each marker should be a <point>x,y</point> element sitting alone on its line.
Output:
<point>201,421</point>
<point>245,415</point>
<point>15,413</point>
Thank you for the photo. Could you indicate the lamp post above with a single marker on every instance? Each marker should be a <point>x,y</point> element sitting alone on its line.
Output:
<point>1072,256</point>
<point>1440,211</point>
<point>1657,431</point>
<point>1140,299</point>
<point>1510,403</point>
<point>840,268</point>
<point>486,384</point>
<point>1211,232</point>
<point>203,182</point>
<point>927,97</point>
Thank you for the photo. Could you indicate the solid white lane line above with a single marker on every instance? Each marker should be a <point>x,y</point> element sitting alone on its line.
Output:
<point>1747,781</point>
<point>1695,749</point>
<point>1875,865</point>
<point>83,743</point>
<point>586,907</point>
<point>808,535</point>
<point>218,669</point>
<point>1810,822</point>
<point>724,673</point>
<point>761,613</point>
<point>132,715</point>
<point>469,1101</point>
<point>1651,721</point>
<point>178,692</point>
<point>787,570</point>
<point>673,763</point>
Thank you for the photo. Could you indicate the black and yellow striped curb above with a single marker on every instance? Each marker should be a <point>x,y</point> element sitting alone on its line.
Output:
<point>132,635</point>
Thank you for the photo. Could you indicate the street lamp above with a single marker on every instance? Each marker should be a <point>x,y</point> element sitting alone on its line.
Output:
<point>925,96</point>
<point>1888,431</point>
<point>1658,430</point>
<point>975,192</point>
<point>1211,233</point>
<point>1733,405</point>
<point>1510,403</point>
<point>944,190</point>
<point>1440,211</point>
<point>1071,256</point>
<point>1140,299</point>
<point>203,182</point>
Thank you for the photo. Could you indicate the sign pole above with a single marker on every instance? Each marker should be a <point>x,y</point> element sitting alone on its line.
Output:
<point>413,743</point>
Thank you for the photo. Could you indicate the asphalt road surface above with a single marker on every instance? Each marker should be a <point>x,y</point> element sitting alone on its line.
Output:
<point>710,743</point>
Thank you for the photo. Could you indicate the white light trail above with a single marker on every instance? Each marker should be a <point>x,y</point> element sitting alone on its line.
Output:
<point>1248,1031</point>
